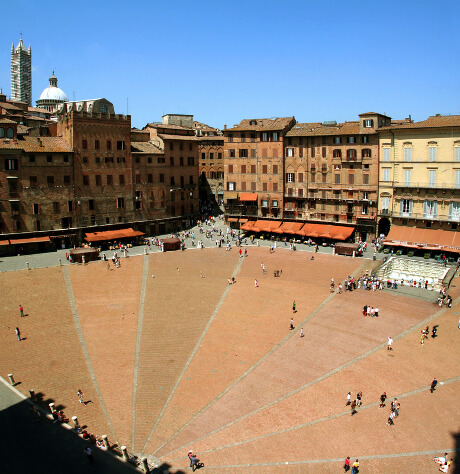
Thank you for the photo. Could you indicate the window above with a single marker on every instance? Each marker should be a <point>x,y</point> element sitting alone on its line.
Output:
<point>161,178</point>
<point>243,137</point>
<point>84,159</point>
<point>181,146</point>
<point>219,156</point>
<point>275,136</point>
<point>98,180</point>
<point>351,140</point>
<point>230,168</point>
<point>137,159</point>
<point>454,211</point>
<point>264,137</point>
<point>386,174</point>
<point>264,186</point>
<point>2,132</point>
<point>91,204</point>
<point>50,180</point>
<point>203,156</point>
<point>172,181</point>
<point>65,158</point>
<point>120,159</point>
<point>365,178</point>
<point>365,139</point>
<point>190,161</point>
<point>120,145</point>
<point>300,178</point>
<point>337,153</point>
<point>407,176</point>
<point>66,180</point>
<point>120,203</point>
<point>121,179</point>
<point>407,154</point>
<point>385,205</point>
<point>289,152</point>
<point>137,179</point>
<point>171,161</point>
<point>351,178</point>
<point>351,154</point>
<point>84,144</point>
<point>275,187</point>
<point>109,159</point>
<point>365,196</point>
<point>323,152</point>
<point>264,169</point>
<point>431,178</point>
<point>313,168</point>
<point>366,153</point>
<point>275,169</point>
<point>337,141</point>
<point>181,161</point>
<point>97,145</point>
<point>36,209</point>
<point>253,169</point>
<point>432,153</point>
<point>109,145</point>
<point>243,153</point>
<point>32,158</point>
<point>386,154</point>
<point>364,208</point>
<point>231,186</point>
<point>190,147</point>
<point>97,160</point>
<point>406,207</point>
<point>150,178</point>
<point>243,168</point>
<point>85,180</point>
<point>191,180</point>
<point>337,179</point>
<point>457,179</point>
<point>312,151</point>
<point>289,177</point>
<point>430,209</point>
<point>161,159</point>
<point>49,159</point>
<point>275,203</point>
<point>231,153</point>
<point>109,180</point>
<point>56,207</point>
<point>253,186</point>
<point>264,203</point>
<point>11,165</point>
<point>457,153</point>
<point>70,206</point>
<point>368,123</point>
<point>253,153</point>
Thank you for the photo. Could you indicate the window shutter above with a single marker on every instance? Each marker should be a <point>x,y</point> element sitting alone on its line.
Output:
<point>300,177</point>
<point>401,206</point>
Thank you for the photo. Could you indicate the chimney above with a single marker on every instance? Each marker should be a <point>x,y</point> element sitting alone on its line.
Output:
<point>225,127</point>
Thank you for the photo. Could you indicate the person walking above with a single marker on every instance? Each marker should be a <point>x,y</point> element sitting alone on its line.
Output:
<point>390,342</point>
<point>18,334</point>
<point>245,252</point>
<point>346,465</point>
<point>376,311</point>
<point>433,385</point>
<point>21,310</point>
<point>80,397</point>
<point>355,467</point>
<point>255,284</point>
<point>390,421</point>
<point>292,324</point>
<point>293,307</point>
<point>301,332</point>
<point>359,397</point>
<point>348,398</point>
<point>241,251</point>
<point>353,407</point>
<point>383,397</point>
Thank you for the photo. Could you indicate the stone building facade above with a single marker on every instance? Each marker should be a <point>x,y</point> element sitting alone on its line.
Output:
<point>254,167</point>
<point>419,183</point>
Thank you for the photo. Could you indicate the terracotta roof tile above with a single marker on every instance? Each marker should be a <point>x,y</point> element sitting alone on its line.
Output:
<point>318,129</point>
<point>431,122</point>
<point>45,145</point>
<point>8,106</point>
<point>277,123</point>
<point>5,120</point>
<point>166,136</point>
<point>145,147</point>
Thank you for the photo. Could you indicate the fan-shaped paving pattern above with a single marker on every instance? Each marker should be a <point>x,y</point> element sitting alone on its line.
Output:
<point>173,358</point>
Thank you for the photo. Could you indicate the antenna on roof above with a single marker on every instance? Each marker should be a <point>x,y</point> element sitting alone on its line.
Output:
<point>127,108</point>
<point>73,93</point>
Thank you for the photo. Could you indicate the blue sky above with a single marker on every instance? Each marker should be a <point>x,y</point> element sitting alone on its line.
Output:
<point>225,61</point>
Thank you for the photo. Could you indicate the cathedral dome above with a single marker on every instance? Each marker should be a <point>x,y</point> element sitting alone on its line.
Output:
<point>52,95</point>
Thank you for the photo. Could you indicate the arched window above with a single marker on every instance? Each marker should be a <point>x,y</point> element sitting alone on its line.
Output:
<point>9,133</point>
<point>103,109</point>
<point>2,132</point>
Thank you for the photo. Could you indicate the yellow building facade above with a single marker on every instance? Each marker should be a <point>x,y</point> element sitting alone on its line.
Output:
<point>419,174</point>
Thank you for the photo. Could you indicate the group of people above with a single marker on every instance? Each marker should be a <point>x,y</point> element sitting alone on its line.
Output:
<point>356,403</point>
<point>370,311</point>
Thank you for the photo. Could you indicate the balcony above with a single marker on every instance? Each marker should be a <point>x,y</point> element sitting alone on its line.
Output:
<point>427,185</point>
<point>420,216</point>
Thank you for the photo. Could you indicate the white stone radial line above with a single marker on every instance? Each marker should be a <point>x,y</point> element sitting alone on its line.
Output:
<point>297,390</point>
<point>192,355</point>
<point>337,460</point>
<point>321,420</point>
<point>140,319</point>
<point>273,349</point>
<point>81,337</point>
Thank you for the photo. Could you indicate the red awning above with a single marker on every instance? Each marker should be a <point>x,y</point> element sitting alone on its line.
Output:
<point>112,235</point>
<point>242,221</point>
<point>31,240</point>
<point>248,197</point>
<point>415,237</point>
<point>248,225</point>
<point>4,242</point>
<point>232,219</point>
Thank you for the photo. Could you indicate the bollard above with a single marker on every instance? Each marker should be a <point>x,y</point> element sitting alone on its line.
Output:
<point>51,405</point>
<point>124,451</point>
<point>28,266</point>
<point>354,254</point>
<point>60,262</point>
<point>83,259</point>
<point>106,441</point>
<point>32,394</point>
<point>333,251</point>
<point>10,376</point>
<point>145,465</point>
<point>104,257</point>
<point>75,421</point>
<point>124,251</point>
<point>145,250</point>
